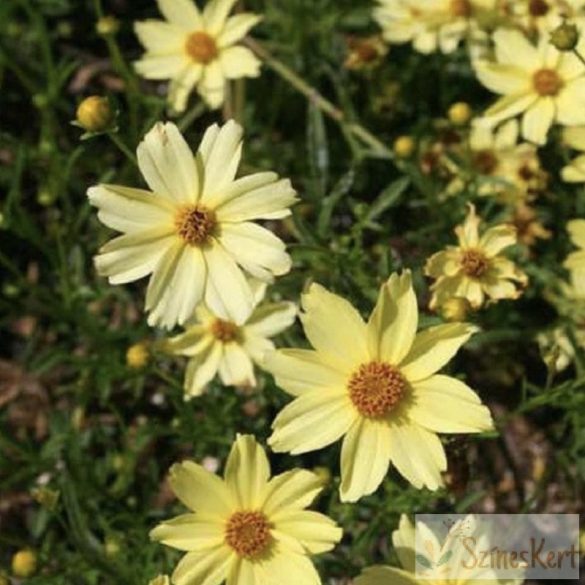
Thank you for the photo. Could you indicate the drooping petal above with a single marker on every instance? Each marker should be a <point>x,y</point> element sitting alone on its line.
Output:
<point>236,28</point>
<point>133,256</point>
<point>168,165</point>
<point>189,532</point>
<point>417,454</point>
<point>290,491</point>
<point>334,328</point>
<point>315,532</point>
<point>312,421</point>
<point>392,326</point>
<point>207,568</point>
<point>300,370</point>
<point>247,472</point>
<point>130,210</point>
<point>446,405</point>
<point>227,293</point>
<point>236,367</point>
<point>201,369</point>
<point>201,491</point>
<point>433,348</point>
<point>256,249</point>
<point>181,13</point>
<point>365,457</point>
<point>239,62</point>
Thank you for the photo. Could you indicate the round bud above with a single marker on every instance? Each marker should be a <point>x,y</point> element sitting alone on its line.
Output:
<point>565,37</point>
<point>137,356</point>
<point>107,26</point>
<point>460,113</point>
<point>24,563</point>
<point>404,147</point>
<point>95,114</point>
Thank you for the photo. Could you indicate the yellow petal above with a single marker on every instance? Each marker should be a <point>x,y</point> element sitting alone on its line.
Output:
<point>365,456</point>
<point>445,405</point>
<point>315,532</point>
<point>291,568</point>
<point>239,62</point>
<point>468,232</point>
<point>162,67</point>
<point>168,165</point>
<point>312,421</point>
<point>300,370</point>
<point>514,48</point>
<point>206,568</point>
<point>417,454</point>
<point>497,238</point>
<point>215,14</point>
<point>191,343</point>
<point>189,532</point>
<point>291,490</point>
<point>182,84</point>
<point>212,85</point>
<point>538,119</point>
<point>201,369</point>
<point>271,319</point>
<point>247,472</point>
<point>236,28</point>
<point>503,79</point>
<point>576,229</point>
<point>392,326</point>
<point>236,367</point>
<point>201,491</point>
<point>385,576</point>
<point>403,539</point>
<point>444,263</point>
<point>334,328</point>
<point>433,348</point>
<point>161,38</point>
<point>182,13</point>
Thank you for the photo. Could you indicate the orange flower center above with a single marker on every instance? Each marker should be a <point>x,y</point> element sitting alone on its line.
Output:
<point>376,388</point>
<point>195,224</point>
<point>485,161</point>
<point>461,8</point>
<point>248,534</point>
<point>201,48</point>
<point>224,331</point>
<point>474,263</point>
<point>538,8</point>
<point>547,82</point>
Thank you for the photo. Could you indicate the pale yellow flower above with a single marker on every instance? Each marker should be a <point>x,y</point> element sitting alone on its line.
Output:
<point>216,345</point>
<point>542,16</point>
<point>246,528</point>
<point>376,385</point>
<point>454,571</point>
<point>475,268</point>
<point>540,83</point>
<point>196,49</point>
<point>575,261</point>
<point>430,25</point>
<point>574,172</point>
<point>194,232</point>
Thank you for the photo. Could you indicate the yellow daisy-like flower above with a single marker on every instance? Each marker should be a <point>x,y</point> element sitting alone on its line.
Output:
<point>430,25</point>
<point>538,82</point>
<point>476,269</point>
<point>542,16</point>
<point>575,262</point>
<point>404,540</point>
<point>246,528</point>
<point>196,50</point>
<point>214,344</point>
<point>194,232</point>
<point>376,385</point>
<point>574,172</point>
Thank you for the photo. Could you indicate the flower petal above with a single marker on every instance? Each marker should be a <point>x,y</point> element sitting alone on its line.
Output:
<point>239,62</point>
<point>316,532</point>
<point>182,13</point>
<point>161,66</point>
<point>433,348</point>
<point>271,319</point>
<point>291,568</point>
<point>201,491</point>
<point>301,370</point>
<point>227,292</point>
<point>291,490</point>
<point>168,165</point>
<point>189,532</point>
<point>236,28</point>
<point>514,48</point>
<point>312,421</point>
<point>417,454</point>
<point>190,343</point>
<point>538,120</point>
<point>161,38</point>
<point>446,405</point>
<point>201,369</point>
<point>334,328</point>
<point>509,80</point>
<point>236,367</point>
<point>212,85</point>
<point>182,85</point>
<point>207,568</point>
<point>570,107</point>
<point>498,238</point>
<point>385,576</point>
<point>365,457</point>
<point>247,472</point>
<point>393,323</point>
<point>215,15</point>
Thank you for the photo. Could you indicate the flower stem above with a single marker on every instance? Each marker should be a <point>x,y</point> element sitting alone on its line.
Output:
<point>318,100</point>
<point>127,152</point>
<point>579,55</point>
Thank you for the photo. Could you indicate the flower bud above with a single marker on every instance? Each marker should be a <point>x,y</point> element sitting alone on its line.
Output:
<point>460,113</point>
<point>565,37</point>
<point>24,563</point>
<point>95,114</point>
<point>404,147</point>
<point>137,356</point>
<point>107,25</point>
<point>455,309</point>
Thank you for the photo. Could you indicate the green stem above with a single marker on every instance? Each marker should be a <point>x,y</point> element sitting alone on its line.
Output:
<point>318,100</point>
<point>195,112</point>
<point>578,55</point>
<point>127,152</point>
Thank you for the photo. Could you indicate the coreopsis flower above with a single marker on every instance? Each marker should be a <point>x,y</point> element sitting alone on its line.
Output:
<point>430,25</point>
<point>246,527</point>
<point>376,385</point>
<point>574,172</point>
<point>543,16</point>
<point>194,232</point>
<point>196,49</point>
<point>538,82</point>
<point>575,261</point>
<point>214,344</point>
<point>475,269</point>
<point>457,571</point>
